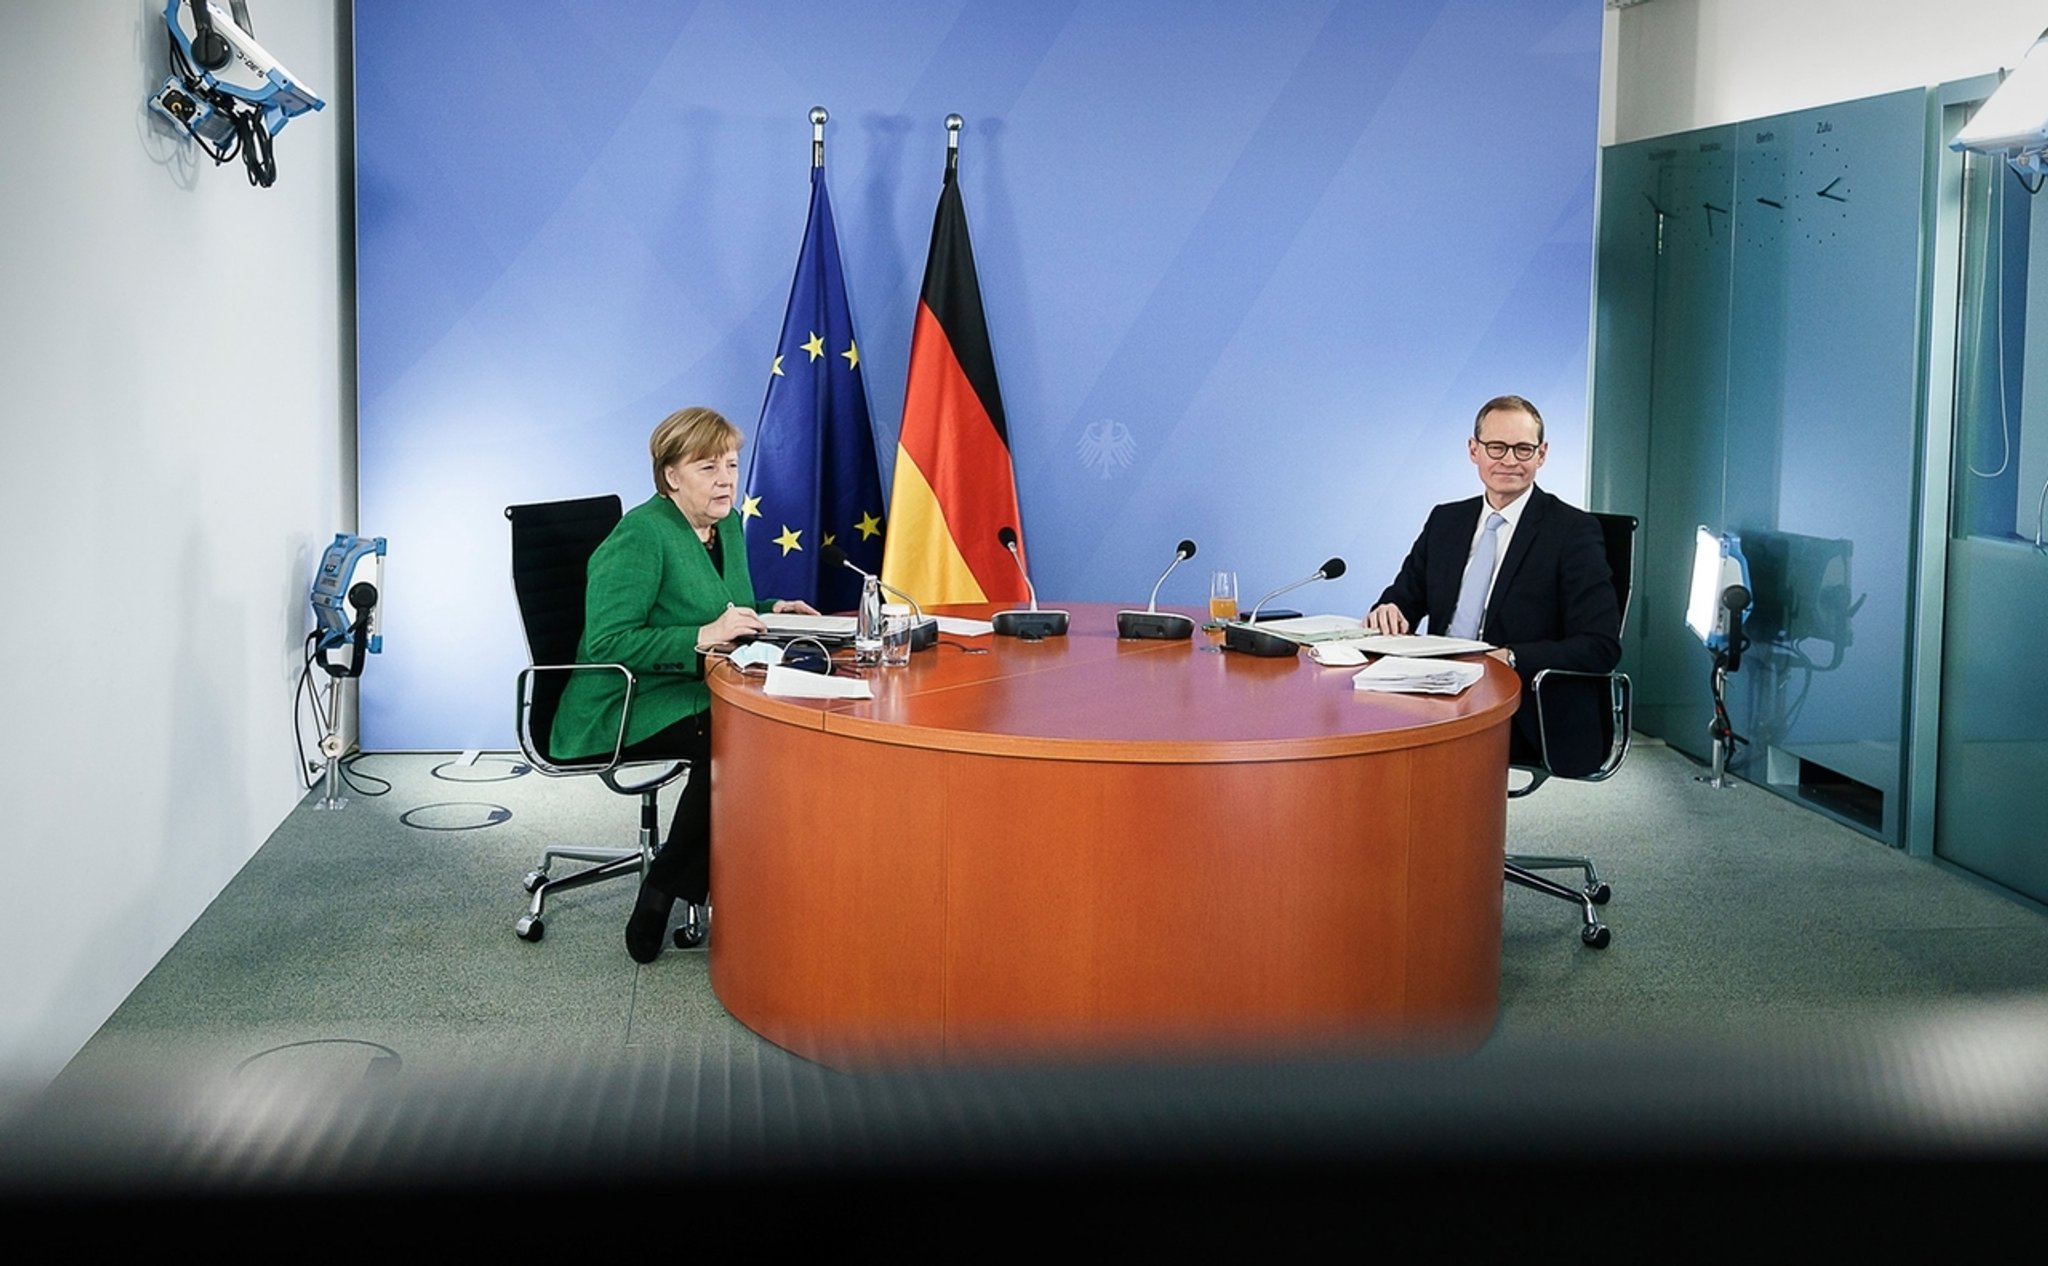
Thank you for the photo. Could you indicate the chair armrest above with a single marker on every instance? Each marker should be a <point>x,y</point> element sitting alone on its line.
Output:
<point>664,771</point>
<point>540,759</point>
<point>1619,700</point>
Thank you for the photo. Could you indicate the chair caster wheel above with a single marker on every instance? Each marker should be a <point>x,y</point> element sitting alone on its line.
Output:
<point>533,880</point>
<point>1599,893</point>
<point>689,934</point>
<point>1595,936</point>
<point>529,927</point>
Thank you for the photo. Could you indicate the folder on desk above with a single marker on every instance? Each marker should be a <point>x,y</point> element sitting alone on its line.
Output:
<point>1421,645</point>
<point>826,628</point>
<point>1311,630</point>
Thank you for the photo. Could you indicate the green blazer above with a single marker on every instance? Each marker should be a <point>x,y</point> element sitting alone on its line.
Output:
<point>651,589</point>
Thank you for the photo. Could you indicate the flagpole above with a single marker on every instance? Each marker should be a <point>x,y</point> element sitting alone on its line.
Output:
<point>953,125</point>
<point>812,474</point>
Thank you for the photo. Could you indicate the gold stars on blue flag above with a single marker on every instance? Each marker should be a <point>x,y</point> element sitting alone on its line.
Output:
<point>811,473</point>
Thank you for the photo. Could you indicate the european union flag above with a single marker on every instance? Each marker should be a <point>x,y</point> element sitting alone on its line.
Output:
<point>812,480</point>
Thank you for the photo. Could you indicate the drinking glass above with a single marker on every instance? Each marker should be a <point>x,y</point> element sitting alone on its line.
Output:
<point>1222,596</point>
<point>895,635</point>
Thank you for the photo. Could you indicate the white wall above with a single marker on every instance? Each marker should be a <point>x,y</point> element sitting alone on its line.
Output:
<point>1683,64</point>
<point>176,448</point>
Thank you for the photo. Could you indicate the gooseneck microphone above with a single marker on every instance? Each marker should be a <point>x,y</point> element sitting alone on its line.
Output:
<point>1151,624</point>
<point>924,630</point>
<point>1033,624</point>
<point>1251,640</point>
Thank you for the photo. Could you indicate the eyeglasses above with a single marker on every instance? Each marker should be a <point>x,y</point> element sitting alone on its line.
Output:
<point>1497,449</point>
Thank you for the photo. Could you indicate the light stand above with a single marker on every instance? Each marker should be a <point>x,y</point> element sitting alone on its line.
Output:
<point>363,596</point>
<point>330,745</point>
<point>1727,659</point>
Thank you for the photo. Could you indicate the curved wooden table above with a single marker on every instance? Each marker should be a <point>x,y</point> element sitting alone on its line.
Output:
<point>1097,847</point>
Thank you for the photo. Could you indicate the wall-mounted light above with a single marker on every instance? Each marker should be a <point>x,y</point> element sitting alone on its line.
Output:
<point>2013,122</point>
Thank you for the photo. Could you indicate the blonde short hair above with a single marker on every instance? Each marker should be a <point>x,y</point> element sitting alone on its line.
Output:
<point>690,435</point>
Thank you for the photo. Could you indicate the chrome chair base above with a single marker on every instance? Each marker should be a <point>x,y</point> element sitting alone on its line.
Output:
<point>605,863</point>
<point>1595,892</point>
<point>695,927</point>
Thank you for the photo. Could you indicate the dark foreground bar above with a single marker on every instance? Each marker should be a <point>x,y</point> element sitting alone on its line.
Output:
<point>1926,1132</point>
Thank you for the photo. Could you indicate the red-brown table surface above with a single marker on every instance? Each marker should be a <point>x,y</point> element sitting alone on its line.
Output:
<point>1094,847</point>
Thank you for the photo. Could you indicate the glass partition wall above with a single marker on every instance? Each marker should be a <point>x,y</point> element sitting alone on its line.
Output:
<point>1757,371</point>
<point>1993,717</point>
<point>1815,331</point>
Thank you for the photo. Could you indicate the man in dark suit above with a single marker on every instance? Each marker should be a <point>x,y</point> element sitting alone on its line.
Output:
<point>1529,576</point>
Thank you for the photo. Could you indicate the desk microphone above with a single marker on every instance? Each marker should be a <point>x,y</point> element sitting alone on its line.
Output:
<point>1032,624</point>
<point>924,631</point>
<point>1151,624</point>
<point>1256,641</point>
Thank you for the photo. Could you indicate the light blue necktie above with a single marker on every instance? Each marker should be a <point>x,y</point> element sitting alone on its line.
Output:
<point>1478,576</point>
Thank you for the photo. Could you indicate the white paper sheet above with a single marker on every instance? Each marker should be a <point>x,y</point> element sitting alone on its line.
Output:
<point>794,683</point>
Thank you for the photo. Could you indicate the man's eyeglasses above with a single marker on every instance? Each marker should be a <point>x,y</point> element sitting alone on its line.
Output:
<point>1497,449</point>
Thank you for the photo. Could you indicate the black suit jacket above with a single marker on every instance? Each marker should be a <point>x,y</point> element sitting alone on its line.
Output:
<point>1553,605</point>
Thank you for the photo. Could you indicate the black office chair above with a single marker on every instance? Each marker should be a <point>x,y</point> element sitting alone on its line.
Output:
<point>551,547</point>
<point>1618,533</point>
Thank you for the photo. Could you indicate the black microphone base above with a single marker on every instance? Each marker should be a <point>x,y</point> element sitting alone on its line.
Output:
<point>1030,625</point>
<point>924,635</point>
<point>1154,626</point>
<point>1252,640</point>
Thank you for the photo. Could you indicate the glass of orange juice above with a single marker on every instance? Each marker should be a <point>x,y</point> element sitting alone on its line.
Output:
<point>1222,596</point>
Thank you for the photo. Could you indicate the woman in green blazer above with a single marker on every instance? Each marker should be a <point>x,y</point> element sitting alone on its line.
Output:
<point>670,580</point>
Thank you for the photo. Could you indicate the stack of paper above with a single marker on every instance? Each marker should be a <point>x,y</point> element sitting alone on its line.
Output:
<point>1398,675</point>
<point>792,683</point>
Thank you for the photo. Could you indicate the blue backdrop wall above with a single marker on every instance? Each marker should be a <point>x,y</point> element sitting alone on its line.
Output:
<point>1282,251</point>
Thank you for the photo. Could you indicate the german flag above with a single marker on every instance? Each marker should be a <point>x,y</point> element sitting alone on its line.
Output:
<point>955,488</point>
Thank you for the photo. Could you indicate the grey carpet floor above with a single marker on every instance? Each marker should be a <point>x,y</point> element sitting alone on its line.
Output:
<point>1792,1025</point>
<point>380,934</point>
